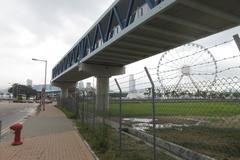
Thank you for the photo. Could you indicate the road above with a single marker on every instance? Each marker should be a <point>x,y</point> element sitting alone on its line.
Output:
<point>14,112</point>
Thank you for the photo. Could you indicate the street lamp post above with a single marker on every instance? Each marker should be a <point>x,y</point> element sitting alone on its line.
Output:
<point>45,79</point>
<point>10,93</point>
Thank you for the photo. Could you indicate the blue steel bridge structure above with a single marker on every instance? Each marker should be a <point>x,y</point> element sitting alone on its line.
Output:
<point>131,30</point>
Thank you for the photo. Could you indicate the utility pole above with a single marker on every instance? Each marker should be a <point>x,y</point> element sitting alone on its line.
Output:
<point>43,97</point>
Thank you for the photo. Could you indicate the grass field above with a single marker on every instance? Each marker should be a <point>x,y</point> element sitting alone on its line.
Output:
<point>220,143</point>
<point>104,141</point>
<point>177,109</point>
<point>218,138</point>
<point>106,145</point>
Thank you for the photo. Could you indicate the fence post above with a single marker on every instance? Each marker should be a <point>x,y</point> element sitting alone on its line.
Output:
<point>87,109</point>
<point>153,112</point>
<point>120,116</point>
<point>237,40</point>
<point>77,103</point>
<point>0,130</point>
<point>94,110</point>
<point>83,104</point>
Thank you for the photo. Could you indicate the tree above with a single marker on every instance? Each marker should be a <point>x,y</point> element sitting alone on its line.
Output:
<point>117,94</point>
<point>148,92</point>
<point>18,89</point>
<point>159,92</point>
<point>236,94</point>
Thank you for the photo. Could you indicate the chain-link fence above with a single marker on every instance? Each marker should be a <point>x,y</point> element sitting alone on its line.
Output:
<point>190,123</point>
<point>189,110</point>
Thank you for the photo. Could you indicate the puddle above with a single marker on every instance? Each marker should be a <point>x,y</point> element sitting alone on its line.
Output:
<point>143,124</point>
<point>143,120</point>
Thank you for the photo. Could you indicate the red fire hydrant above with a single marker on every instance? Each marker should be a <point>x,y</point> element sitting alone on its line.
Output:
<point>17,131</point>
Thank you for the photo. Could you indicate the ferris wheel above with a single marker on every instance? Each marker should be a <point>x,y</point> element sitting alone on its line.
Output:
<point>188,64</point>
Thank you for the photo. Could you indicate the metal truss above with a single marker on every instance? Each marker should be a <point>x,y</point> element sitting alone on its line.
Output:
<point>115,20</point>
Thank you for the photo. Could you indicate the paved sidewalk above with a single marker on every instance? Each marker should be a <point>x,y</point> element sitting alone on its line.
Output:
<point>48,135</point>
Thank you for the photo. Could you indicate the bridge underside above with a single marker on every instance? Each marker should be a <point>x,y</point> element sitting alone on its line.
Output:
<point>183,21</point>
<point>168,25</point>
<point>72,76</point>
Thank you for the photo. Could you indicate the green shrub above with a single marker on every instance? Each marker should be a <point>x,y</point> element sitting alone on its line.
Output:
<point>68,113</point>
<point>99,139</point>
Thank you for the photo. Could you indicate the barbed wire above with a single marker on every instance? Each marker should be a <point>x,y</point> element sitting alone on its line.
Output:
<point>135,79</point>
<point>127,76</point>
<point>167,77</point>
<point>171,78</point>
<point>221,71</point>
<point>220,84</point>
<point>208,62</point>
<point>223,43</point>
<point>198,83</point>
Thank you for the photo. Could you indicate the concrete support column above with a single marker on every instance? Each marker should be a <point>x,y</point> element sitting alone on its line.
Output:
<point>103,73</point>
<point>66,88</point>
<point>64,93</point>
<point>102,98</point>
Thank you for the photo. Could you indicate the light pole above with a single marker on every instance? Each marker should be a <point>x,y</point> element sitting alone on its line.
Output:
<point>45,79</point>
<point>9,92</point>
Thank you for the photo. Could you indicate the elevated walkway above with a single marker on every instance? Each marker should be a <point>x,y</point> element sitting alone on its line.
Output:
<point>133,30</point>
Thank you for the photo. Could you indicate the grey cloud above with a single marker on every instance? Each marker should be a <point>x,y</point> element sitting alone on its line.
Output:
<point>45,17</point>
<point>41,29</point>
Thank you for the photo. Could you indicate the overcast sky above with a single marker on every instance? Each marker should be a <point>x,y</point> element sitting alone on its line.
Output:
<point>44,29</point>
<point>47,29</point>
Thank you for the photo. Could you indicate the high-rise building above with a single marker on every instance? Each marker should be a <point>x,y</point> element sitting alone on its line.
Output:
<point>131,83</point>
<point>88,85</point>
<point>81,85</point>
<point>29,82</point>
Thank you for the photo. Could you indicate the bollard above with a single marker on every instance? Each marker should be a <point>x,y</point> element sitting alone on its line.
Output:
<point>17,131</point>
